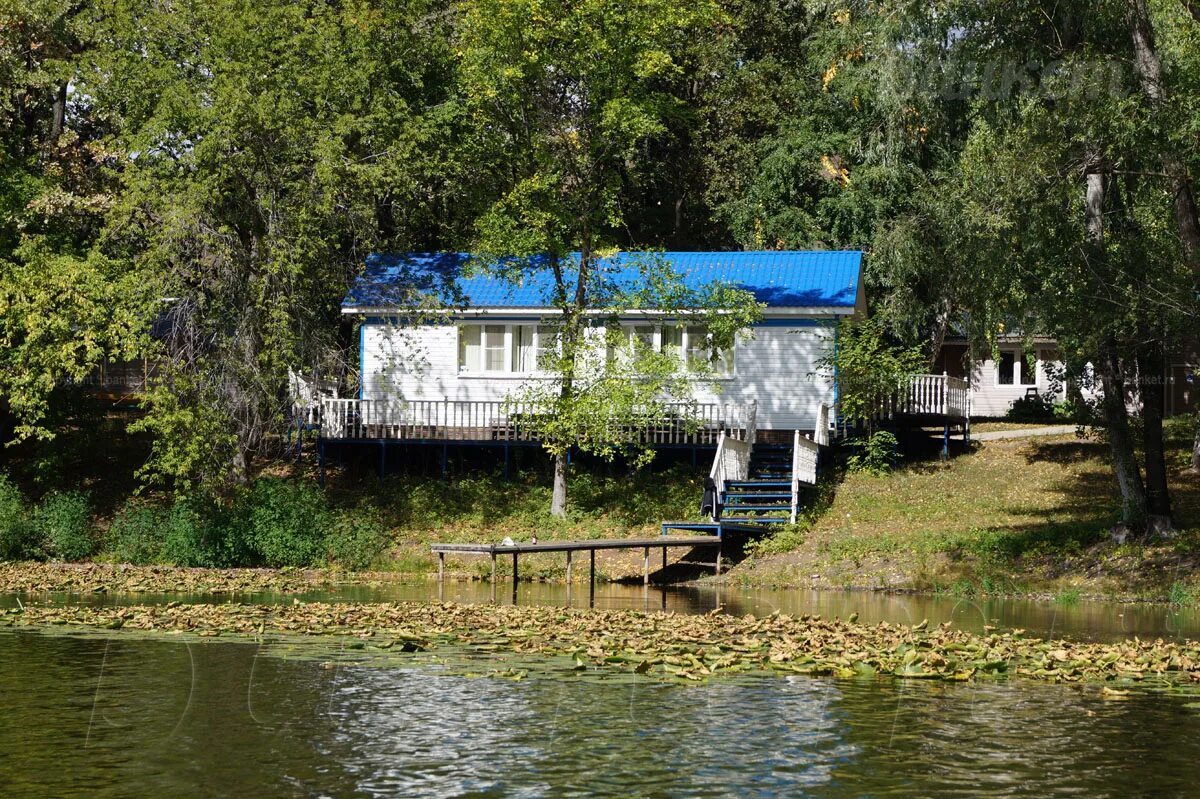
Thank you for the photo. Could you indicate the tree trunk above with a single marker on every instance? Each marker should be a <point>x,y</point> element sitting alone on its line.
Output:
<point>1196,449</point>
<point>558,499</point>
<point>1149,69</point>
<point>1153,397</point>
<point>1120,439</point>
<point>1112,383</point>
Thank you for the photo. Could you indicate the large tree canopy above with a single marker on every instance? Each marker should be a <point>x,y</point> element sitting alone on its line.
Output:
<point>212,173</point>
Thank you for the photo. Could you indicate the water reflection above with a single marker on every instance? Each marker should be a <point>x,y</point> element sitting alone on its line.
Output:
<point>131,718</point>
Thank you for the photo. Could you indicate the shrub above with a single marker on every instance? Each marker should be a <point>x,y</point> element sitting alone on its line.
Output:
<point>287,522</point>
<point>1037,408</point>
<point>135,535</point>
<point>18,537</point>
<point>355,542</point>
<point>64,523</point>
<point>875,455</point>
<point>187,536</point>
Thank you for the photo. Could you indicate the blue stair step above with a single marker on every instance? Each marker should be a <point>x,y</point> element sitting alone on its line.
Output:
<point>713,528</point>
<point>758,508</point>
<point>756,519</point>
<point>785,496</point>
<point>734,484</point>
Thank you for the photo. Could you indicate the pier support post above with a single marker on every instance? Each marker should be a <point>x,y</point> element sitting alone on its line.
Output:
<point>516,577</point>
<point>441,567</point>
<point>718,559</point>
<point>592,578</point>
<point>569,569</point>
<point>646,566</point>
<point>664,564</point>
<point>493,576</point>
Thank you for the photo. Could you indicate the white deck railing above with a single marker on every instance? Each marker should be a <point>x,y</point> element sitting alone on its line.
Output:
<point>470,420</point>
<point>928,395</point>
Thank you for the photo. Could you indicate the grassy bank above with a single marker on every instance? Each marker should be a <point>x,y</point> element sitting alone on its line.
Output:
<point>1018,516</point>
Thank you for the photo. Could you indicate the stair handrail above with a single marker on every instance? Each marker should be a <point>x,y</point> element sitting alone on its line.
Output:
<point>732,462</point>
<point>821,431</point>
<point>795,475</point>
<point>752,422</point>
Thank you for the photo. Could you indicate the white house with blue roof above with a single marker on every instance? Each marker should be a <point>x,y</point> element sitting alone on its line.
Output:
<point>447,376</point>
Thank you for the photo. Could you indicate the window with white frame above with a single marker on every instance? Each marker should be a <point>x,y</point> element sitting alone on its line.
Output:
<point>504,349</point>
<point>1014,368</point>
<point>692,344</point>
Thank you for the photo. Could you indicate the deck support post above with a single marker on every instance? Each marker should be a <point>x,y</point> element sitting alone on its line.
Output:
<point>321,461</point>
<point>507,451</point>
<point>664,563</point>
<point>946,440</point>
<point>493,575</point>
<point>646,566</point>
<point>445,458</point>
<point>441,567</point>
<point>592,578</point>
<point>568,568</point>
<point>718,560</point>
<point>382,460</point>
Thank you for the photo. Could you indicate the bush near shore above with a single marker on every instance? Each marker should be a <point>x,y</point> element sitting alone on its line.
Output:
<point>286,520</point>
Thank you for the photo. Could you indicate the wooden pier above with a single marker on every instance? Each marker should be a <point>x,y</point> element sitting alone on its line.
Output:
<point>662,542</point>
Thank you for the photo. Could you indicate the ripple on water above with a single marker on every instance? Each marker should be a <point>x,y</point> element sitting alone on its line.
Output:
<point>130,718</point>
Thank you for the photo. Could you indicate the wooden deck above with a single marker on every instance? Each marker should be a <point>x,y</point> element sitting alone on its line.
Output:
<point>590,546</point>
<point>928,397</point>
<point>676,424</point>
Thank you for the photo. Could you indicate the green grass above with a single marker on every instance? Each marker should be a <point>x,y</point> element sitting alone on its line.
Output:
<point>1008,517</point>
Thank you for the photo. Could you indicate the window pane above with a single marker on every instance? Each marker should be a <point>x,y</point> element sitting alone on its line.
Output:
<point>468,348</point>
<point>547,346</point>
<point>1028,373</point>
<point>523,352</point>
<point>645,334</point>
<point>672,338</point>
<point>1005,368</point>
<point>493,348</point>
<point>697,348</point>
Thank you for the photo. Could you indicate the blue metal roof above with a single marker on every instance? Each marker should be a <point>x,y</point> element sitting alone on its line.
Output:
<point>780,279</point>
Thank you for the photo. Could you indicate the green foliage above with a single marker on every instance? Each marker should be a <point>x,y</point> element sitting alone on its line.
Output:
<point>876,454</point>
<point>1038,408</point>
<point>355,542</point>
<point>192,538</point>
<point>287,522</point>
<point>64,522</point>
<point>135,533</point>
<point>868,367</point>
<point>18,536</point>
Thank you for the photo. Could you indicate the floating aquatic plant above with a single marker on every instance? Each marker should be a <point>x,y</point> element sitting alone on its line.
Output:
<point>677,647</point>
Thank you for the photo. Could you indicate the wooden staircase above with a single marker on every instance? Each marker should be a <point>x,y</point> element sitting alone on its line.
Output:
<point>765,496</point>
<point>756,485</point>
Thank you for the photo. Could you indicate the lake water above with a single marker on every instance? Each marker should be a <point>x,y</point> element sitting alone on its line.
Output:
<point>122,716</point>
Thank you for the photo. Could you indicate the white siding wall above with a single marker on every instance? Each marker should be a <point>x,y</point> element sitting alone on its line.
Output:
<point>774,366</point>
<point>990,398</point>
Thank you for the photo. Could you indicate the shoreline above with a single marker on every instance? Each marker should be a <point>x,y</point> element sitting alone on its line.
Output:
<point>33,578</point>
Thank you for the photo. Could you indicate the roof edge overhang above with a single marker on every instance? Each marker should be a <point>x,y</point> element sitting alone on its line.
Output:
<point>773,313</point>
